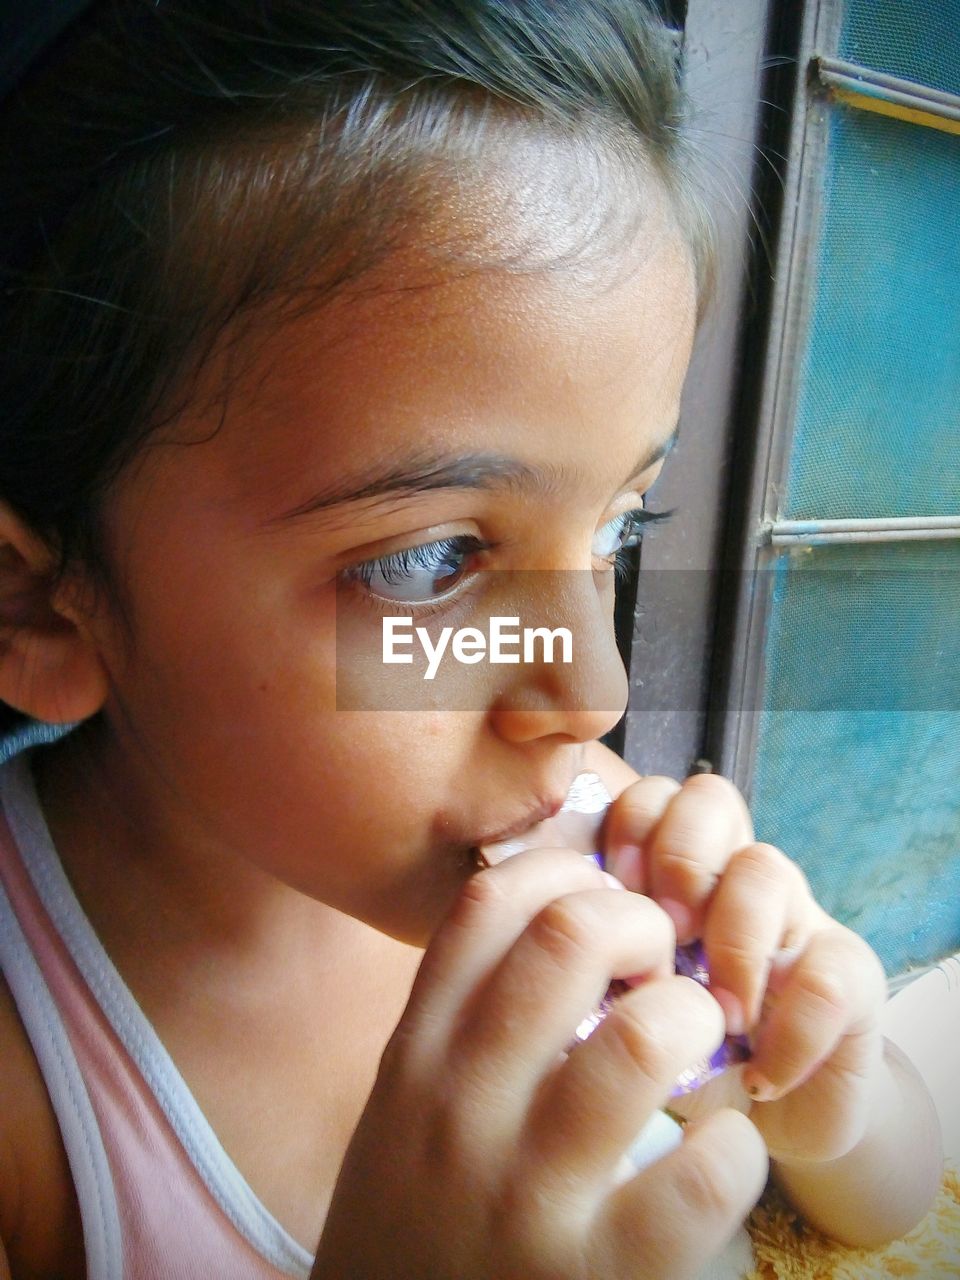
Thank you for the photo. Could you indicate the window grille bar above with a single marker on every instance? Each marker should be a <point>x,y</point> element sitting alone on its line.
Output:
<point>816,533</point>
<point>889,95</point>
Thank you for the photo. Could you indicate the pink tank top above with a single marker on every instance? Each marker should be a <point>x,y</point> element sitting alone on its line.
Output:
<point>159,1197</point>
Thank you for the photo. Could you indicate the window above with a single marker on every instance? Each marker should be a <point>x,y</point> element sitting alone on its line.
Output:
<point>819,658</point>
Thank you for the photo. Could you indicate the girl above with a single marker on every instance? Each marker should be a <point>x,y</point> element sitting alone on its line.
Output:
<point>311,316</point>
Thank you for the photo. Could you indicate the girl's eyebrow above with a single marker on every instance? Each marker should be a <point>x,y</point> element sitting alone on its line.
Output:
<point>441,471</point>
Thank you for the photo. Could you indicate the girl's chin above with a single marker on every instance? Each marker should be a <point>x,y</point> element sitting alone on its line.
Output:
<point>413,914</point>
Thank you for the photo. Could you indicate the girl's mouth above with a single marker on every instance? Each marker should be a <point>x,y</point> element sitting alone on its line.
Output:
<point>524,825</point>
<point>574,824</point>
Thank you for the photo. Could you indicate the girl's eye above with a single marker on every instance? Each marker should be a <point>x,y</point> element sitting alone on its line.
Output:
<point>422,574</point>
<point>624,530</point>
<point>419,574</point>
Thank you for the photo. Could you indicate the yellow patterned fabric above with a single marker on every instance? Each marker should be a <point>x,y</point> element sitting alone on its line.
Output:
<point>787,1248</point>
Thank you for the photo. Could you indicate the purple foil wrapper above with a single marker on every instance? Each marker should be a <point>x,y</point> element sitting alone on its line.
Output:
<point>690,962</point>
<point>589,797</point>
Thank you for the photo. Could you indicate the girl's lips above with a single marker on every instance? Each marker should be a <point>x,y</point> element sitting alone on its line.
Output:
<point>575,824</point>
<point>533,819</point>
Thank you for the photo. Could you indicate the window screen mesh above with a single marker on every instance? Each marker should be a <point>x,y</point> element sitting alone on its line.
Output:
<point>858,772</point>
<point>878,425</point>
<point>913,39</point>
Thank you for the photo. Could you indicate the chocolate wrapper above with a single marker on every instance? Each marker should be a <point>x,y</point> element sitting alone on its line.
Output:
<point>577,826</point>
<point>586,797</point>
<point>691,963</point>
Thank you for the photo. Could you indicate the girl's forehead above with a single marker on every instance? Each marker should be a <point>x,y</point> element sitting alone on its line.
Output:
<point>433,356</point>
<point>544,198</point>
<point>514,247</point>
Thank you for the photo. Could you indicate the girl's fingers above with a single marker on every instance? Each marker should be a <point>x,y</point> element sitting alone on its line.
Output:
<point>629,822</point>
<point>833,990</point>
<point>705,822</point>
<point>515,1029</point>
<point>527,1011</point>
<point>676,1215</point>
<point>761,905</point>
<point>591,1109</point>
<point>493,909</point>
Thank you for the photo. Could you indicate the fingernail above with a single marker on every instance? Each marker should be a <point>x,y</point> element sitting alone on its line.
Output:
<point>627,862</point>
<point>732,1010</point>
<point>782,961</point>
<point>681,915</point>
<point>759,1087</point>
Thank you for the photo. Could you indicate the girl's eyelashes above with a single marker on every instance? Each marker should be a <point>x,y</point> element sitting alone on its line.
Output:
<point>419,575</point>
<point>629,530</point>
<point>624,531</point>
<point>424,574</point>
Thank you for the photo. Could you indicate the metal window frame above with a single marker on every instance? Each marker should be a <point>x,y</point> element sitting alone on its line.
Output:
<point>725,54</point>
<point>734,723</point>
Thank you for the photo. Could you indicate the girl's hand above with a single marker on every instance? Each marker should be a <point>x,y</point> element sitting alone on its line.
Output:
<point>807,990</point>
<point>486,1151</point>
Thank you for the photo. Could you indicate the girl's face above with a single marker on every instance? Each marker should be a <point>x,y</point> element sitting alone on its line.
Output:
<point>238,551</point>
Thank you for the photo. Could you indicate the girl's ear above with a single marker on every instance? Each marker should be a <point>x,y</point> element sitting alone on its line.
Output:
<point>50,667</point>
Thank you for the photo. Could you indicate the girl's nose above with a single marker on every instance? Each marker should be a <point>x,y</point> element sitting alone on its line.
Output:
<point>580,700</point>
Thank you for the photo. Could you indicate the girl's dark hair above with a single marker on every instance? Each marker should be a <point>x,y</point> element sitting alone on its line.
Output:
<point>172,166</point>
